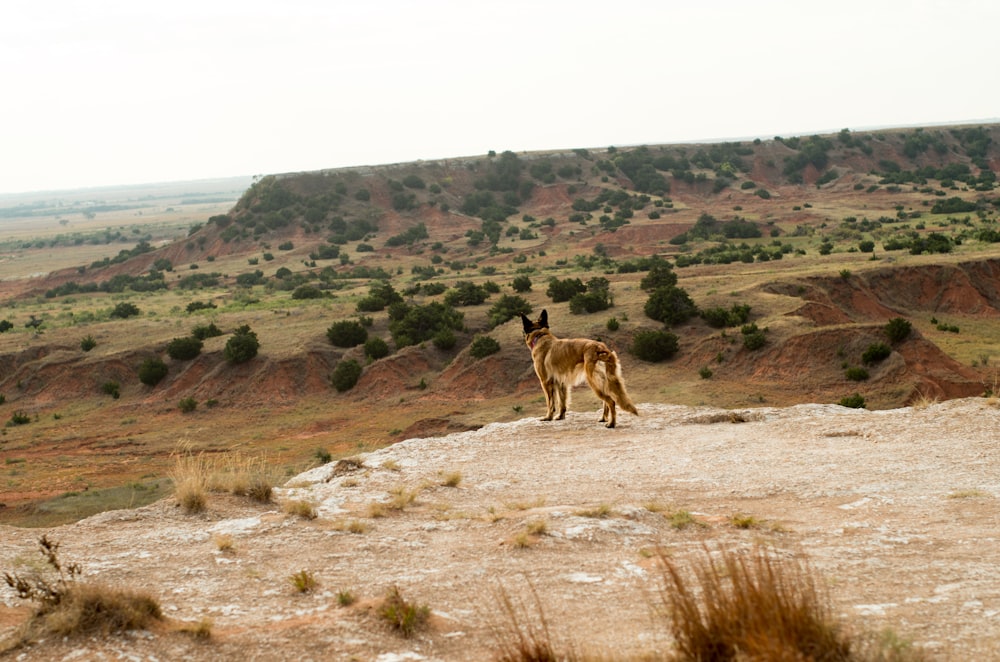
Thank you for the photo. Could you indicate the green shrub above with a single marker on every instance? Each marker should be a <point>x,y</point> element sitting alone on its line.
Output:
<point>483,346</point>
<point>346,375</point>
<point>856,374</point>
<point>753,338</point>
<point>444,339</point>
<point>6,325</point>
<point>187,405</point>
<point>202,332</point>
<point>307,292</point>
<point>855,401</point>
<point>19,418</point>
<point>152,371</point>
<point>564,290</point>
<point>898,329</point>
<point>521,284</point>
<point>242,346</point>
<point>112,388</point>
<point>466,293</point>
<point>184,349</point>
<point>613,324</point>
<point>654,346</point>
<point>876,352</point>
<point>124,310</point>
<point>376,348</point>
<point>412,325</point>
<point>347,333</point>
<point>88,343</point>
<point>720,317</point>
<point>671,305</point>
<point>506,308</point>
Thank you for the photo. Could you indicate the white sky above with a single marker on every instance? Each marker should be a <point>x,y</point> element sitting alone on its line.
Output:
<point>109,92</point>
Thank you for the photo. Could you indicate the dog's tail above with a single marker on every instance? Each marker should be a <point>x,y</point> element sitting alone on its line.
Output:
<point>616,385</point>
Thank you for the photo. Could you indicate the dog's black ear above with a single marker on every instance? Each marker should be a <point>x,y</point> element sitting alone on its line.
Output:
<point>543,320</point>
<point>529,326</point>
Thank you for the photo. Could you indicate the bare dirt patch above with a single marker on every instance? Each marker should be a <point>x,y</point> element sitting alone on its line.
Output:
<point>896,509</point>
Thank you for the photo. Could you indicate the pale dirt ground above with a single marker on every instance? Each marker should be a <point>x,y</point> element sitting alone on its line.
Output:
<point>896,510</point>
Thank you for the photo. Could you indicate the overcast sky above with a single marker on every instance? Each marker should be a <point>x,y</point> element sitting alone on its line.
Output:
<point>110,92</point>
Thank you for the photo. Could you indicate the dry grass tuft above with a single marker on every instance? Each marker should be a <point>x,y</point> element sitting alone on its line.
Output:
<point>403,616</point>
<point>303,581</point>
<point>451,479</point>
<point>67,607</point>
<point>200,631</point>
<point>524,635</point>
<point>195,475</point>
<point>224,542</point>
<point>598,512</point>
<point>756,606</point>
<point>300,508</point>
<point>190,474</point>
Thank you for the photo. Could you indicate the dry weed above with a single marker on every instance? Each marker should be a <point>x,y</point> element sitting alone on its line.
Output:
<point>403,616</point>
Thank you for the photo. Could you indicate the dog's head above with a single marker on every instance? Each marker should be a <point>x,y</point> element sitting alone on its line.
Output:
<point>541,323</point>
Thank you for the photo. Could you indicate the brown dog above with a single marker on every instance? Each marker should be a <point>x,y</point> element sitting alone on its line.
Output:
<point>561,364</point>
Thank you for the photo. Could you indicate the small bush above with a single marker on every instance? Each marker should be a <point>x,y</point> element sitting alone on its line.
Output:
<point>19,418</point>
<point>88,343</point>
<point>506,308</point>
<point>444,339</point>
<point>187,405</point>
<point>112,388</point>
<point>124,310</point>
<point>152,371</point>
<point>654,346</point>
<point>856,374</point>
<point>898,329</point>
<point>753,338</point>
<point>521,284</point>
<point>483,346</point>
<point>875,352</point>
<point>347,333</point>
<point>184,349</point>
<point>202,332</point>
<point>242,346</point>
<point>346,375</point>
<point>613,324</point>
<point>856,401</point>
<point>376,348</point>
<point>705,372</point>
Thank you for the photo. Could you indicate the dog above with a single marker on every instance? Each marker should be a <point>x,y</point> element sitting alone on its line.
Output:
<point>562,364</point>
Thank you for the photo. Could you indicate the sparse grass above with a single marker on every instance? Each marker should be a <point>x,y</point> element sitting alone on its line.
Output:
<point>300,508</point>
<point>303,581</point>
<point>741,521</point>
<point>599,512</point>
<point>200,631</point>
<point>376,509</point>
<point>682,519</point>
<point>401,615</point>
<point>345,598</point>
<point>391,465</point>
<point>354,526</point>
<point>402,497</point>
<point>969,494</point>
<point>523,635</point>
<point>525,505</point>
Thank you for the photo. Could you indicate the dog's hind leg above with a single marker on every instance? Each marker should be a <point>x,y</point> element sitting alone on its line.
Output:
<point>562,391</point>
<point>598,384</point>
<point>549,387</point>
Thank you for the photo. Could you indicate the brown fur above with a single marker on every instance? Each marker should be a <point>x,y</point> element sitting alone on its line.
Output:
<point>561,364</point>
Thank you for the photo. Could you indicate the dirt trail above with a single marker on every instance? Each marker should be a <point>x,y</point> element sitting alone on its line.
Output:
<point>896,510</point>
